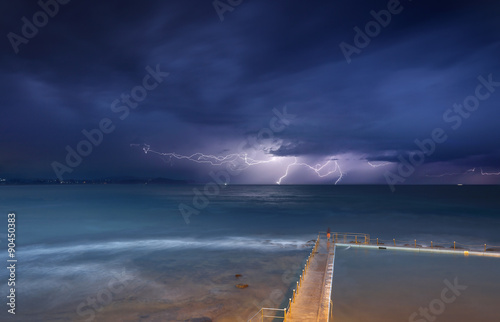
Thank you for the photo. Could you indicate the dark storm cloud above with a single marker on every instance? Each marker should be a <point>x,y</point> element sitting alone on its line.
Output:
<point>226,77</point>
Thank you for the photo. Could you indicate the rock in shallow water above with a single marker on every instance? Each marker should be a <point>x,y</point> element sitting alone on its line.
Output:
<point>241,285</point>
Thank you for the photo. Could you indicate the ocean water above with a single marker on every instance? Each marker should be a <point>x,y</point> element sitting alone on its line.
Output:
<point>125,253</point>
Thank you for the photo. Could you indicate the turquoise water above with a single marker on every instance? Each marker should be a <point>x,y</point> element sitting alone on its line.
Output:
<point>390,285</point>
<point>129,247</point>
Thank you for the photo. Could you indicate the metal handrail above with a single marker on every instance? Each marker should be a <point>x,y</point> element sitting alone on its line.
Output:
<point>287,310</point>
<point>414,243</point>
<point>261,311</point>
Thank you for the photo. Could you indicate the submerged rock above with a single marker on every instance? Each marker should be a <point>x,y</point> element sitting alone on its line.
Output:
<point>241,285</point>
<point>238,275</point>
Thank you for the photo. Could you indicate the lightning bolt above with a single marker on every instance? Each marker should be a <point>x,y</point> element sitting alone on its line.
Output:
<point>489,173</point>
<point>462,173</point>
<point>245,161</point>
<point>214,160</point>
<point>317,169</point>
<point>450,173</point>
<point>378,164</point>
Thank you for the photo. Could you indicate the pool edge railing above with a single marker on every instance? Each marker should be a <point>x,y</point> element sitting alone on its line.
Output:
<point>352,239</point>
<point>330,303</point>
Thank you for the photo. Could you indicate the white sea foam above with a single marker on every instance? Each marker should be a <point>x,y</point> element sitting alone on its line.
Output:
<point>228,243</point>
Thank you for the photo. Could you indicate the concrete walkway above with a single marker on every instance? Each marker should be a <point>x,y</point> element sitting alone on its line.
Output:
<point>312,300</point>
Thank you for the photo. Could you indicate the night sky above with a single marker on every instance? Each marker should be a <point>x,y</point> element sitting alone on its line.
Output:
<point>362,91</point>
